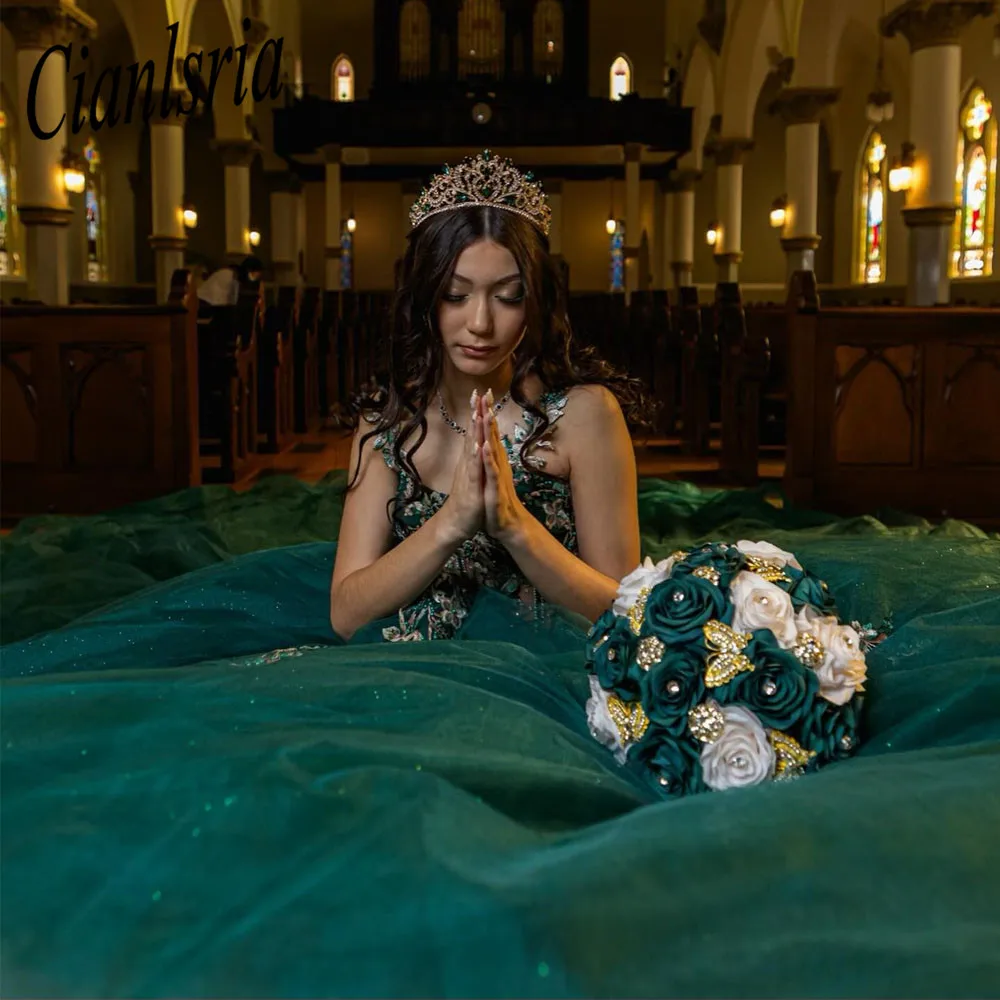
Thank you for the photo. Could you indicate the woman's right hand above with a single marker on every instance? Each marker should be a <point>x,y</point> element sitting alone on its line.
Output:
<point>465,506</point>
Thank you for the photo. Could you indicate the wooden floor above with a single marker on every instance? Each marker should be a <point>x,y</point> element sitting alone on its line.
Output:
<point>309,457</point>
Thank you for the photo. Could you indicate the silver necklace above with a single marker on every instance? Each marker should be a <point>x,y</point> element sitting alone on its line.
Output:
<point>497,407</point>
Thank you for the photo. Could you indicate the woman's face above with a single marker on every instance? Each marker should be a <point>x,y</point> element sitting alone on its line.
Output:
<point>482,312</point>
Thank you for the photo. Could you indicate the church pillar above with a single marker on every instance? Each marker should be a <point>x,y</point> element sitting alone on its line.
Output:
<point>43,204</point>
<point>800,109</point>
<point>680,220</point>
<point>633,224</point>
<point>237,155</point>
<point>933,31</point>
<point>286,192</point>
<point>334,217</point>
<point>553,194</point>
<point>729,154</point>
<point>169,237</point>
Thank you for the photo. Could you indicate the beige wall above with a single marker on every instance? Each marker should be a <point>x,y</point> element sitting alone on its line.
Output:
<point>635,28</point>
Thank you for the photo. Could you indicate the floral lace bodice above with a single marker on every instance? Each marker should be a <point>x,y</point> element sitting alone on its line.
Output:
<point>481,561</point>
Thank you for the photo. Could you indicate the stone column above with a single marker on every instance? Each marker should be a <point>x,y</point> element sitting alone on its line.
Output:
<point>237,155</point>
<point>43,204</point>
<point>729,154</point>
<point>680,219</point>
<point>633,224</point>
<point>554,196</point>
<point>933,31</point>
<point>800,109</point>
<point>169,237</point>
<point>334,216</point>
<point>286,190</point>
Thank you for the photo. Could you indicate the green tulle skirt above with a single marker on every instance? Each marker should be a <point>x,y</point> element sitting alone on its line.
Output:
<point>206,793</point>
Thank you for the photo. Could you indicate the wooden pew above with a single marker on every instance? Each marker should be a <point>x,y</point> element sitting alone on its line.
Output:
<point>306,362</point>
<point>276,380</point>
<point>228,359</point>
<point>699,352</point>
<point>99,406</point>
<point>895,407</point>
<point>745,361</point>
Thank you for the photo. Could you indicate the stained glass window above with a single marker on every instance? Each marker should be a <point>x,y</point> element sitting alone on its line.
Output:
<point>95,215</point>
<point>617,254</point>
<point>10,230</point>
<point>871,211</point>
<point>342,80</point>
<point>621,78</point>
<point>975,188</point>
<point>346,257</point>
<point>414,40</point>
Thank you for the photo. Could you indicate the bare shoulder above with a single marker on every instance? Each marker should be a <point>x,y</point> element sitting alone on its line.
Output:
<point>592,408</point>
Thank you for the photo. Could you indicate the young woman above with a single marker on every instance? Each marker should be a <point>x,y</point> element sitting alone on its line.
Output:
<point>498,455</point>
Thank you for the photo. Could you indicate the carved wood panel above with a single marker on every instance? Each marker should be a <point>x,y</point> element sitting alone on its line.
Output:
<point>18,405</point>
<point>876,400</point>
<point>970,405</point>
<point>109,405</point>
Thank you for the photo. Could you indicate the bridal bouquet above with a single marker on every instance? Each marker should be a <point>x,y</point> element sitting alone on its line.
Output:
<point>723,667</point>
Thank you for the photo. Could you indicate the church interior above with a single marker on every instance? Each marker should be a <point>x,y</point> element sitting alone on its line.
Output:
<point>734,185</point>
<point>779,217</point>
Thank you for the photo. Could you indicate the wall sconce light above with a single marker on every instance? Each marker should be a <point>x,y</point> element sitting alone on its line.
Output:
<point>74,178</point>
<point>190,216</point>
<point>611,225</point>
<point>253,237</point>
<point>901,171</point>
<point>713,233</point>
<point>352,223</point>
<point>779,212</point>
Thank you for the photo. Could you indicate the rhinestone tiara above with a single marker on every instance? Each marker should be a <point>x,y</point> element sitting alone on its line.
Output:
<point>484,180</point>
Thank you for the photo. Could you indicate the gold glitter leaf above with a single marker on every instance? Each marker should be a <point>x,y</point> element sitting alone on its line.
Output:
<point>790,757</point>
<point>709,573</point>
<point>637,612</point>
<point>629,718</point>
<point>809,650</point>
<point>767,569</point>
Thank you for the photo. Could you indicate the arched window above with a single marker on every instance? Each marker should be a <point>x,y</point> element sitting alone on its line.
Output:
<point>621,78</point>
<point>480,38</point>
<point>10,227</point>
<point>975,188</point>
<point>617,254</point>
<point>96,227</point>
<point>414,40</point>
<point>870,224</point>
<point>342,79</point>
<point>547,35</point>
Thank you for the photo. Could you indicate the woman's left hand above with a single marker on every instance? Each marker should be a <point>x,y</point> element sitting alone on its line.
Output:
<point>505,514</point>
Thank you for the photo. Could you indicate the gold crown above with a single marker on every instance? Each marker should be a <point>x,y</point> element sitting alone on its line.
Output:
<point>484,180</point>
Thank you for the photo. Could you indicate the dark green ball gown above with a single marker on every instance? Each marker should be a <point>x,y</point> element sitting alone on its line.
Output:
<point>206,793</point>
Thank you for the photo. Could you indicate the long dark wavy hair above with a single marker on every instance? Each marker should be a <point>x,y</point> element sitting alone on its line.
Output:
<point>399,397</point>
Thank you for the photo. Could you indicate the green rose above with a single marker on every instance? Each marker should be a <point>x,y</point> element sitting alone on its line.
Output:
<point>808,589</point>
<point>673,687</point>
<point>726,560</point>
<point>832,730</point>
<point>599,629</point>
<point>613,661</point>
<point>671,766</point>
<point>779,690</point>
<point>679,607</point>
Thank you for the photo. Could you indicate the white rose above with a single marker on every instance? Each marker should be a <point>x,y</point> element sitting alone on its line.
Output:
<point>759,604</point>
<point>645,575</point>
<point>765,550</point>
<point>844,669</point>
<point>741,756</point>
<point>602,726</point>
